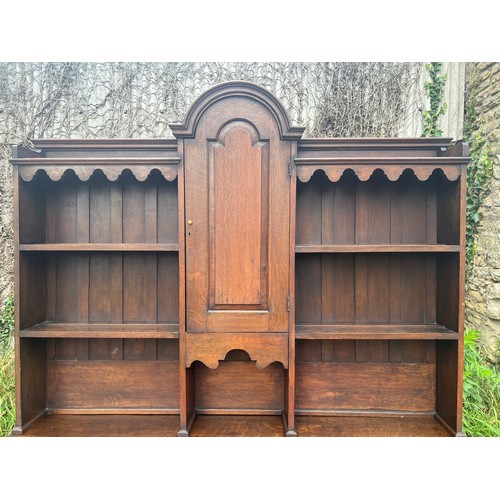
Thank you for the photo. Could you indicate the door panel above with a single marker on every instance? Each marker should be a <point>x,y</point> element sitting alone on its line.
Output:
<point>237,221</point>
<point>239,181</point>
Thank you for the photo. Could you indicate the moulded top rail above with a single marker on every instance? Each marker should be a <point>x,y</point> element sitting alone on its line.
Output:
<point>366,143</point>
<point>89,148</point>
<point>119,144</point>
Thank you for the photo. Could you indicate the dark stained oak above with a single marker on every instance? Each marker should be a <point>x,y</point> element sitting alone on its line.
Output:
<point>105,330</point>
<point>370,426</point>
<point>374,331</point>
<point>368,288</point>
<point>368,385</point>
<point>261,347</point>
<point>240,387</point>
<point>56,425</point>
<point>100,247</point>
<point>113,385</point>
<point>237,240</point>
<point>239,280</point>
<point>393,167</point>
<point>380,248</point>
<point>237,426</point>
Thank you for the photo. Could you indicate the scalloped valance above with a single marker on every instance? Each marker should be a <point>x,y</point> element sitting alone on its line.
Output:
<point>112,168</point>
<point>364,168</point>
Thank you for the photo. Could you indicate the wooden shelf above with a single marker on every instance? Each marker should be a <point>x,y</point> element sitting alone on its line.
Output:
<point>60,425</point>
<point>99,247</point>
<point>374,332</point>
<point>238,426</point>
<point>370,426</point>
<point>376,248</point>
<point>103,330</point>
<point>56,425</point>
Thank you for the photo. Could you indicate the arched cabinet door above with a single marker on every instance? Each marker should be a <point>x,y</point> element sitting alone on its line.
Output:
<point>237,204</point>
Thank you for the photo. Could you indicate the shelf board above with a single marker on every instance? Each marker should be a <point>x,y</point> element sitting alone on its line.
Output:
<point>375,248</point>
<point>99,247</point>
<point>54,424</point>
<point>371,425</point>
<point>374,332</point>
<point>61,425</point>
<point>103,330</point>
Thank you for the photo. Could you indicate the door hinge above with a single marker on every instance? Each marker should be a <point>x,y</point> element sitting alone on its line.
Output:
<point>288,303</point>
<point>290,168</point>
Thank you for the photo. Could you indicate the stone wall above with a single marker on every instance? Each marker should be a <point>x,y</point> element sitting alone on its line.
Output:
<point>483,292</point>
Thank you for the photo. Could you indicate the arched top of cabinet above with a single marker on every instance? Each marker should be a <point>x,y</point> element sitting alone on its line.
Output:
<point>225,90</point>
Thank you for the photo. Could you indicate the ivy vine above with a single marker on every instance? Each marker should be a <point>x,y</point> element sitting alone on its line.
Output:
<point>434,90</point>
<point>480,169</point>
<point>479,173</point>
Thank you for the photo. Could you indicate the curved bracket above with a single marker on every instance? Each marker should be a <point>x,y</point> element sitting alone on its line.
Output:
<point>187,129</point>
<point>263,348</point>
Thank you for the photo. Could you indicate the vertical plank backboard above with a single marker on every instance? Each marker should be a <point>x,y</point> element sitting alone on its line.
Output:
<point>343,209</point>
<point>150,210</point>
<point>168,217</point>
<point>309,351</point>
<point>344,351</point>
<point>308,228</point>
<point>378,289</point>
<point>414,211</point>
<point>32,218</point>
<point>338,292</point>
<point>100,288</point>
<point>133,288</point>
<point>100,210</point>
<point>67,288</point>
<point>379,209</point>
<point>66,210</point>
<point>134,206</point>
<point>82,212</point>
<point>139,349</point>
<point>168,289</point>
<point>308,288</point>
<point>414,287</point>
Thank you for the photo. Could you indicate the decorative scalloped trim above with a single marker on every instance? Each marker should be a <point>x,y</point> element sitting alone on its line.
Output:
<point>212,360</point>
<point>210,348</point>
<point>84,172</point>
<point>364,172</point>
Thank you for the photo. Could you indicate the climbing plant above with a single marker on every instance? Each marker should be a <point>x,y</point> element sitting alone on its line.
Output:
<point>434,90</point>
<point>479,172</point>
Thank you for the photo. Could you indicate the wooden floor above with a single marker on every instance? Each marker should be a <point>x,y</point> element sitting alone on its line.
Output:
<point>56,425</point>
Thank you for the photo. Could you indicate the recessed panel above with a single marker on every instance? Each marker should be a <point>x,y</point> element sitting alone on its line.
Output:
<point>238,173</point>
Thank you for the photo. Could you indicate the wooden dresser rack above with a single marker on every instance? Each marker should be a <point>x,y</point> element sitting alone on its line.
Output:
<point>239,280</point>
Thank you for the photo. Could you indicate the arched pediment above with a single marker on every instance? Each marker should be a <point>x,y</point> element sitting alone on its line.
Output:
<point>187,129</point>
